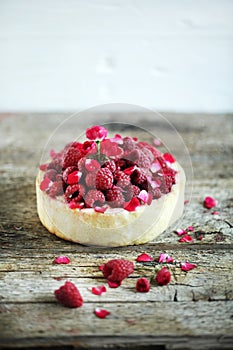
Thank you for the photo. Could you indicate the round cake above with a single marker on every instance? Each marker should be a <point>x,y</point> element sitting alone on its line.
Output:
<point>109,191</point>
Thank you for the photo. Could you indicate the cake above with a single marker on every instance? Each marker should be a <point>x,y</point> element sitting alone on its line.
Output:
<point>109,191</point>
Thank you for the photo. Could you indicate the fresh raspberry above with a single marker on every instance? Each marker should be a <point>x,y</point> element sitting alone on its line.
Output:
<point>90,180</point>
<point>128,143</point>
<point>138,177</point>
<point>118,269</point>
<point>133,156</point>
<point>68,171</point>
<point>55,164</point>
<point>104,179</point>
<point>74,193</point>
<point>51,174</point>
<point>121,178</point>
<point>94,198</point>
<point>71,157</point>
<point>56,189</point>
<point>111,165</point>
<point>143,161</point>
<point>121,164</point>
<point>163,277</point>
<point>82,164</point>
<point>166,184</point>
<point>115,197</point>
<point>69,295</point>
<point>130,192</point>
<point>155,192</point>
<point>143,285</point>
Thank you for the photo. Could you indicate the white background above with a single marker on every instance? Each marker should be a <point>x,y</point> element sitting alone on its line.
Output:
<point>62,55</point>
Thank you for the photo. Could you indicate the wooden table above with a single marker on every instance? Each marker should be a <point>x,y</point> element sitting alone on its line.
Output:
<point>195,311</point>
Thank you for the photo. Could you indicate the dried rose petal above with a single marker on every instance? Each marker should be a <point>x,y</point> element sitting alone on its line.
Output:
<point>169,157</point>
<point>144,196</point>
<point>17,228</point>
<point>73,205</point>
<point>163,277</point>
<point>186,238</point>
<point>100,209</point>
<point>186,266</point>
<point>209,202</point>
<point>101,267</point>
<point>62,259</point>
<point>165,258</point>
<point>74,177</point>
<point>45,184</point>
<point>43,167</point>
<point>144,257</point>
<point>101,313</point>
<point>112,284</point>
<point>98,290</point>
<point>157,142</point>
<point>215,213</point>
<point>130,170</point>
<point>190,228</point>
<point>132,205</point>
<point>186,201</point>
<point>143,285</point>
<point>180,232</point>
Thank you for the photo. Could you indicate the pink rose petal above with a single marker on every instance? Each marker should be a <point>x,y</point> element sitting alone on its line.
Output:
<point>73,205</point>
<point>215,213</point>
<point>74,177</point>
<point>98,290</point>
<point>144,196</point>
<point>209,202</point>
<point>62,259</point>
<point>190,228</point>
<point>186,201</point>
<point>157,142</point>
<point>186,238</point>
<point>169,157</point>
<point>132,205</point>
<point>186,266</point>
<point>101,267</point>
<point>45,184</point>
<point>180,232</point>
<point>43,167</point>
<point>100,209</point>
<point>130,170</point>
<point>101,313</point>
<point>144,257</point>
<point>165,258</point>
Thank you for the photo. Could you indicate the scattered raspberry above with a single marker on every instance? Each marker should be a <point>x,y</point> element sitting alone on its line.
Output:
<point>71,157</point>
<point>94,198</point>
<point>130,192</point>
<point>82,164</point>
<point>209,202</point>
<point>111,165</point>
<point>69,295</point>
<point>104,179</point>
<point>121,178</point>
<point>74,193</point>
<point>156,193</point>
<point>117,270</point>
<point>115,197</point>
<point>163,276</point>
<point>68,171</point>
<point>143,285</point>
<point>55,164</point>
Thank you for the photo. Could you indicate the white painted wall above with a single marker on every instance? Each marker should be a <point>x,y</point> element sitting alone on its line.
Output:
<point>58,55</point>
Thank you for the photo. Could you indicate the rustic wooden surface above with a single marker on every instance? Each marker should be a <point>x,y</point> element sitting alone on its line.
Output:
<point>195,311</point>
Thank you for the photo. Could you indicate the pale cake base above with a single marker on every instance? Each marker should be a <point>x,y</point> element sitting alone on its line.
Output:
<point>116,227</point>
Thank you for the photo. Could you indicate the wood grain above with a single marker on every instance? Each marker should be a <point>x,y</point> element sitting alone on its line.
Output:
<point>193,312</point>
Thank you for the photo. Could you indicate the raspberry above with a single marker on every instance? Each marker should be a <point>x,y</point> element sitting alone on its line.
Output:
<point>128,144</point>
<point>104,179</point>
<point>163,277</point>
<point>121,164</point>
<point>118,269</point>
<point>90,180</point>
<point>74,193</point>
<point>138,177</point>
<point>69,295</point>
<point>110,164</point>
<point>51,174</point>
<point>71,157</point>
<point>121,178</point>
<point>115,197</point>
<point>55,164</point>
<point>82,164</point>
<point>67,172</point>
<point>155,192</point>
<point>143,161</point>
<point>130,192</point>
<point>143,285</point>
<point>94,198</point>
<point>133,156</point>
<point>56,189</point>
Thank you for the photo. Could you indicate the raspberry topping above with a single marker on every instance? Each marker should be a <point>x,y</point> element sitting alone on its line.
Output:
<point>104,179</point>
<point>119,172</point>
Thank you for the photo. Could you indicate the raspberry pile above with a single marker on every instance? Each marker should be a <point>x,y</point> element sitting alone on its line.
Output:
<point>108,172</point>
